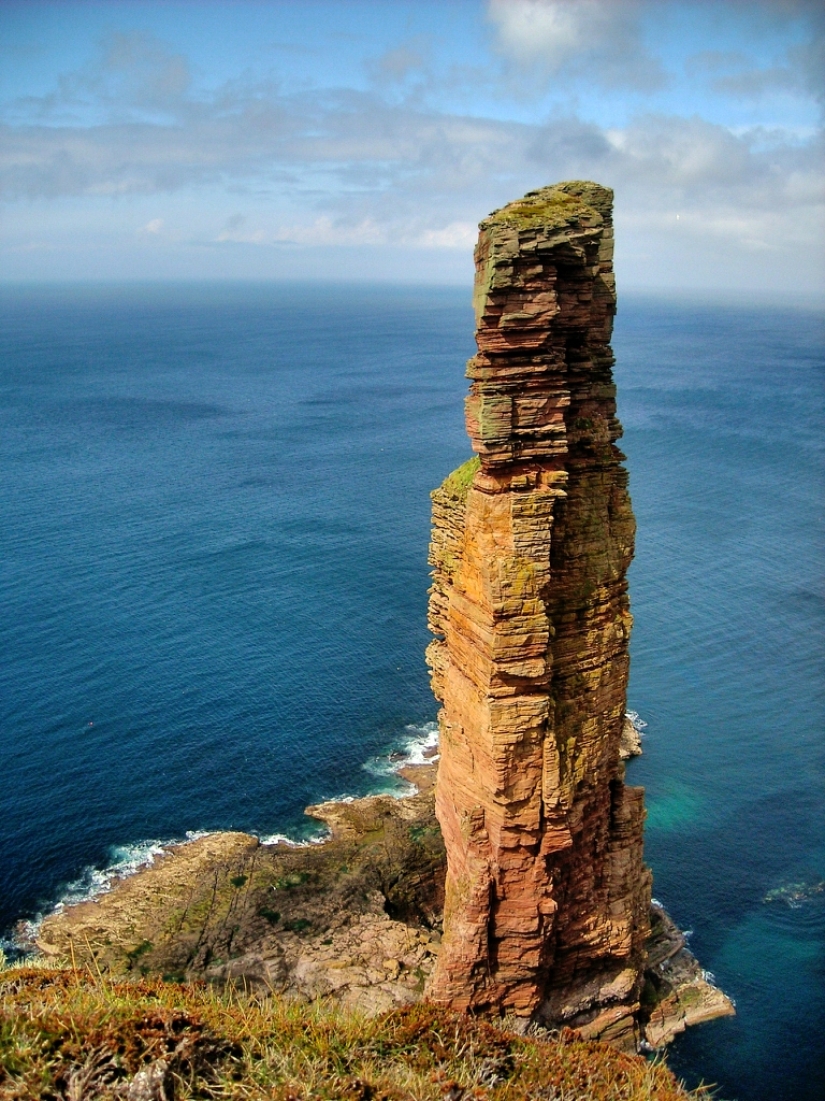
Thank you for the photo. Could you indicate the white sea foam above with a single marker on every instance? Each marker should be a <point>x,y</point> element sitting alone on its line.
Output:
<point>93,882</point>
<point>125,860</point>
<point>420,746</point>
<point>284,839</point>
<point>281,839</point>
<point>417,748</point>
<point>638,723</point>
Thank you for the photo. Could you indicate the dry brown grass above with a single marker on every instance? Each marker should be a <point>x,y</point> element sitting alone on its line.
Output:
<point>76,1036</point>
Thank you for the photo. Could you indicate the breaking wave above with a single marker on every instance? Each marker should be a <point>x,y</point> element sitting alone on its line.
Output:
<point>303,843</point>
<point>419,747</point>
<point>124,860</point>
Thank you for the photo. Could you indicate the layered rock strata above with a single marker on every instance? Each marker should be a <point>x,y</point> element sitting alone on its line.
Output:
<point>547,896</point>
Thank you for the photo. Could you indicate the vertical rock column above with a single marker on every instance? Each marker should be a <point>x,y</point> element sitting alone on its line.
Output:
<point>547,894</point>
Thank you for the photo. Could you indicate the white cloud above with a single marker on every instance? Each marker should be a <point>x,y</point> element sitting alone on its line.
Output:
<point>553,32</point>
<point>325,231</point>
<point>454,235</point>
<point>601,39</point>
<point>321,231</point>
<point>355,169</point>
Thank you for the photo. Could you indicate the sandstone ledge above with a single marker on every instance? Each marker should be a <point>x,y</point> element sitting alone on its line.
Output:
<point>355,919</point>
<point>678,993</point>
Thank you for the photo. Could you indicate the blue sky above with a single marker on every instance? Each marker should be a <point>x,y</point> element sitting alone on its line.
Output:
<point>355,139</point>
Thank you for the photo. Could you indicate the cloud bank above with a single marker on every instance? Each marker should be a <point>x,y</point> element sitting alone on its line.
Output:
<point>253,165</point>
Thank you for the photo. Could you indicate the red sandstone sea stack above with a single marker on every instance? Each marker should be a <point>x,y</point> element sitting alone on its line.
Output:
<point>547,894</point>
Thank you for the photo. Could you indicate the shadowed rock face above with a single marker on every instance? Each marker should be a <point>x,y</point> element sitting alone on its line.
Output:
<point>547,894</point>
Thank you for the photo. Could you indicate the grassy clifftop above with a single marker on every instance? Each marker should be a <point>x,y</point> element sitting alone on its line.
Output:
<point>74,1034</point>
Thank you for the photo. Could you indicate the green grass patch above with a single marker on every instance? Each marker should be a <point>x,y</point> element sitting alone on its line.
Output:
<point>297,925</point>
<point>135,954</point>
<point>459,481</point>
<point>293,879</point>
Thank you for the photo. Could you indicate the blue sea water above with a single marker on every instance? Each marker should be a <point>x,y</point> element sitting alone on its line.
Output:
<point>213,578</point>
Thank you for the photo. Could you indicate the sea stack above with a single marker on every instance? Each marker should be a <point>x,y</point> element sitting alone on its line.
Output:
<point>547,894</point>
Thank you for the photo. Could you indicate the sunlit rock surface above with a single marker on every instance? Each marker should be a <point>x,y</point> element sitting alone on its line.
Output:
<point>547,896</point>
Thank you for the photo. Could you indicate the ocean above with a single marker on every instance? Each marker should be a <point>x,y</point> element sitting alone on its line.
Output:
<point>213,574</point>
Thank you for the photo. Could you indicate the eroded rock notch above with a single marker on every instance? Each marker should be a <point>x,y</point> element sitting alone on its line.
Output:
<point>547,894</point>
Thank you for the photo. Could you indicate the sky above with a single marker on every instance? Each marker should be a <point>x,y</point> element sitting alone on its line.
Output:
<point>365,139</point>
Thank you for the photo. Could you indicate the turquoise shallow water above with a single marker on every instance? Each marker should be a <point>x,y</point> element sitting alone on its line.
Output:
<point>216,515</point>
<point>723,415</point>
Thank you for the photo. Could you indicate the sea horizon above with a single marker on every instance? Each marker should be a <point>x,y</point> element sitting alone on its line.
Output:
<point>695,293</point>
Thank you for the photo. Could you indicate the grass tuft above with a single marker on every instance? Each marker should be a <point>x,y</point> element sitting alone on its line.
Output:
<point>457,484</point>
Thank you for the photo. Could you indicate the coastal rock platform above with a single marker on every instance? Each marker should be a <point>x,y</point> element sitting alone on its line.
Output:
<point>355,919</point>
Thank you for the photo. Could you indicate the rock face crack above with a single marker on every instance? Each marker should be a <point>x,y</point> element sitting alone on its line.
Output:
<point>547,897</point>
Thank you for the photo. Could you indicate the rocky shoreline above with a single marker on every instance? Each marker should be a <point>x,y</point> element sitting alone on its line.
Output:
<point>355,919</point>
